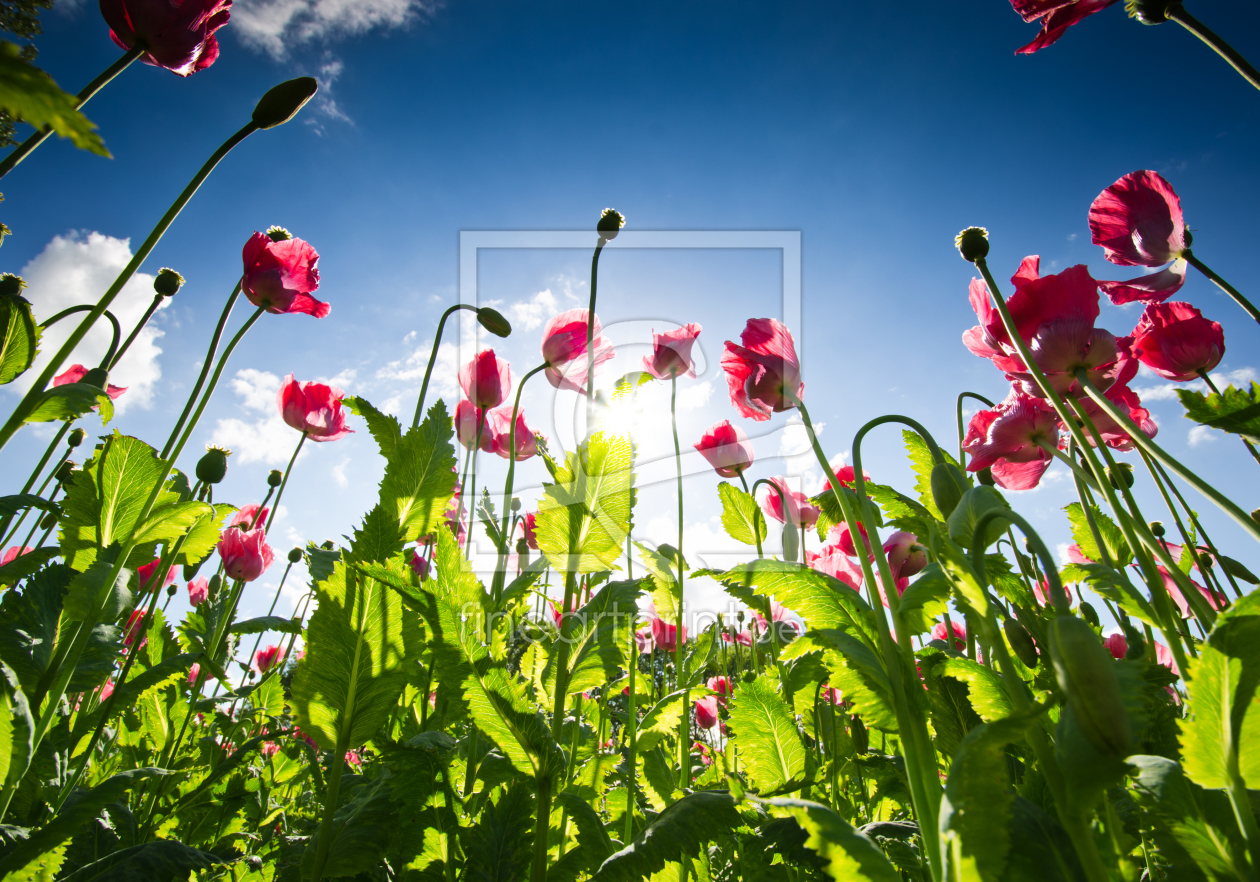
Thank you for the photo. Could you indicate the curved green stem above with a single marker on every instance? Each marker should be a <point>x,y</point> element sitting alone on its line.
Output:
<point>135,332</point>
<point>270,610</point>
<point>632,725</point>
<point>30,482</point>
<point>109,359</point>
<point>590,338</point>
<point>1058,596</point>
<point>28,146</point>
<point>962,431</point>
<point>789,526</point>
<point>428,371</point>
<point>31,399</point>
<point>1176,12</point>
<point>284,482</point>
<point>757,519</point>
<point>205,368</point>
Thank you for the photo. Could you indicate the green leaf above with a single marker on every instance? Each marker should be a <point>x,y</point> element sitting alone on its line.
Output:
<point>922,463</point>
<point>769,745</point>
<point>498,846</point>
<point>78,810</point>
<point>975,503</point>
<point>1232,410</point>
<point>846,853</point>
<point>986,690</point>
<point>129,694</point>
<point>599,633</point>
<point>593,839</point>
<point>661,721</point>
<point>1194,828</point>
<point>30,623</point>
<point>741,516</point>
<point>350,678</point>
<point>25,564</point>
<point>822,601</point>
<point>584,517</point>
<point>168,523</point>
<point>1045,852</point>
<point>1113,586</point>
<point>419,477</point>
<point>69,402</point>
<point>975,809</point>
<point>1111,535</point>
<point>360,832</point>
<point>677,832</point>
<point>11,505</point>
<point>28,93</point>
<point>89,590</point>
<point>203,536</point>
<point>263,624</point>
<point>19,337</point>
<point>854,669</point>
<point>162,859</point>
<point>42,868</point>
<point>17,728</point>
<point>385,429</point>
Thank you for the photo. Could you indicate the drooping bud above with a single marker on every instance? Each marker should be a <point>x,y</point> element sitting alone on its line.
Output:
<point>11,285</point>
<point>522,547</point>
<point>48,521</point>
<point>1021,642</point>
<point>1087,675</point>
<point>98,377</point>
<point>610,223</point>
<point>168,282</point>
<point>948,487</point>
<point>493,321</point>
<point>282,102</point>
<point>76,438</point>
<point>861,738</point>
<point>64,473</point>
<point>1090,614</point>
<point>278,234</point>
<point>973,243</point>
<point>295,555</point>
<point>275,478</point>
<point>212,468</point>
<point>1120,476</point>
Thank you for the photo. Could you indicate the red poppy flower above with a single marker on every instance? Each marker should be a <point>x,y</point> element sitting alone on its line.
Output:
<point>1175,341</point>
<point>281,276</point>
<point>486,379</point>
<point>498,424</point>
<point>527,528</point>
<point>198,591</point>
<point>564,349</point>
<point>802,512</point>
<point>665,636</point>
<point>1007,438</point>
<point>906,557</point>
<point>833,561</point>
<point>1138,221</point>
<point>469,419</point>
<point>727,449</point>
<point>178,34</point>
<point>146,573</point>
<point>707,712</point>
<point>75,374</point>
<point>246,554</point>
<point>1056,17</point>
<point>313,408</point>
<point>671,353</point>
<point>268,658</point>
<point>760,373</point>
<point>847,478</point>
<point>960,634</point>
<point>250,515</point>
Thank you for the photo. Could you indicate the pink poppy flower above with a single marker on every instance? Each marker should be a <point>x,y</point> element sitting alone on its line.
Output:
<point>313,408</point>
<point>354,759</point>
<point>1179,597</point>
<point>246,554</point>
<point>743,638</point>
<point>177,34</point>
<point>1041,590</point>
<point>499,424</point>
<point>1006,438</point>
<point>564,350</point>
<point>1075,555</point>
<point>107,690</point>
<point>906,557</point>
<point>193,673</point>
<point>831,694</point>
<point>722,686</point>
<point>841,539</point>
<point>556,615</point>
<point>1113,434</point>
<point>1175,341</point>
<point>960,634</point>
<point>14,553</point>
<point>707,712</point>
<point>665,636</point>
<point>268,658</point>
<point>847,477</point>
<point>469,419</point>
<point>778,613</point>
<point>527,528</point>
<point>835,562</point>
<point>75,374</point>
<point>198,591</point>
<point>1164,656</point>
<point>146,573</point>
<point>420,565</point>
<point>269,749</point>
<point>281,276</point>
<point>706,756</point>
<point>1056,17</point>
<point>250,515</point>
<point>671,353</point>
<point>1153,288</point>
<point>135,626</point>
<point>902,585</point>
<point>799,509</point>
<point>486,379</point>
<point>760,373</point>
<point>643,640</point>
<point>726,447</point>
<point>1116,644</point>
<point>1138,221</point>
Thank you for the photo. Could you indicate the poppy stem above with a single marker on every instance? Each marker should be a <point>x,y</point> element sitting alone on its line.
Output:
<point>632,725</point>
<point>590,338</point>
<point>1222,284</point>
<point>680,660</point>
<point>1068,461</point>
<point>28,146</point>
<point>30,482</point>
<point>205,368</point>
<point>1251,448</point>
<point>1176,12</point>
<point>505,550</point>
<point>428,371</point>
<point>284,482</point>
<point>258,639</point>
<point>961,428</point>
<point>135,332</point>
<point>30,400</point>
<point>790,540</point>
<point>108,360</point>
<point>757,519</point>
<point>472,493</point>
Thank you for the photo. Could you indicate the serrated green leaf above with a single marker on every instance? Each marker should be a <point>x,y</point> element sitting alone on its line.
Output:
<point>163,859</point>
<point>19,337</point>
<point>1111,535</point>
<point>498,846</point>
<point>419,477</point>
<point>1232,410</point>
<point>17,728</point>
<point>855,670</point>
<point>770,748</point>
<point>11,505</point>
<point>678,832</point>
<point>846,853</point>
<point>42,868</point>
<point>985,689</point>
<point>69,402</point>
<point>360,832</point>
<point>30,625</point>
<point>263,624</point>
<point>661,721</point>
<point>598,636</point>
<point>922,463</point>
<point>1113,586</point>
<point>584,517</point>
<point>385,429</point>
<point>203,536</point>
<point>25,564</point>
<point>168,523</point>
<point>821,600</point>
<point>29,94</point>
<point>741,516</point>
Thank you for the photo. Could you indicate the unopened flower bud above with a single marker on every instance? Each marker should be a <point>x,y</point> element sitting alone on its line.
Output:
<point>1137,644</point>
<point>249,674</point>
<point>1021,642</point>
<point>172,590</point>
<point>861,738</point>
<point>1087,676</point>
<point>522,547</point>
<point>493,321</point>
<point>278,234</point>
<point>275,478</point>
<point>1122,476</point>
<point>985,477</point>
<point>610,223</point>
<point>1150,12</point>
<point>168,282</point>
<point>212,590</point>
<point>973,244</point>
<point>1157,529</point>
<point>282,102</point>
<point>295,555</point>
<point>97,377</point>
<point>328,545</point>
<point>76,438</point>
<point>11,284</point>
<point>1089,613</point>
<point>48,521</point>
<point>64,473</point>
<point>212,468</point>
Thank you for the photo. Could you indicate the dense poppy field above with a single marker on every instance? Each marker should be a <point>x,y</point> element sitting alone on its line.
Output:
<point>931,695</point>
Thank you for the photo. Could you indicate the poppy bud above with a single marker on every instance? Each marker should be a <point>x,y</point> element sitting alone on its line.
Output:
<point>1255,515</point>
<point>171,590</point>
<point>985,477</point>
<point>610,223</point>
<point>973,244</point>
<point>1090,614</point>
<point>493,321</point>
<point>1137,645</point>
<point>249,674</point>
<point>11,285</point>
<point>1157,529</point>
<point>861,738</point>
<point>516,504</point>
<point>522,547</point>
<point>1150,12</point>
<point>212,590</point>
<point>1087,675</point>
<point>275,478</point>
<point>97,377</point>
<point>76,438</point>
<point>282,102</point>
<point>328,545</point>
<point>948,487</point>
<point>1025,650</point>
<point>48,521</point>
<point>168,282</point>
<point>212,468</point>
<point>295,555</point>
<point>278,234</point>
<point>64,473</point>
<point>1122,476</point>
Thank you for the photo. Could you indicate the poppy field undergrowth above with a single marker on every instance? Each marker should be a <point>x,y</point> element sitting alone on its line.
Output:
<point>930,695</point>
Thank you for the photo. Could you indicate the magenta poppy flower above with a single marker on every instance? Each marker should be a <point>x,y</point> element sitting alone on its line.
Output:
<point>906,557</point>
<point>14,553</point>
<point>313,408</point>
<point>761,373</point>
<point>1113,434</point>
<point>281,276</point>
<point>726,447</point>
<point>842,539</point>
<point>498,424</point>
<point>198,591</point>
<point>249,515</point>
<point>268,658</point>
<point>1138,221</point>
<point>1175,341</point>
<point>1153,288</point>
<point>135,626</point>
<point>743,638</point>
<point>527,528</point>
<point>107,690</point>
<point>75,374</point>
<point>1008,438</point>
<point>564,350</point>
<point>419,565</point>
<point>1056,16</point>
<point>177,34</point>
<point>833,695</point>
<point>802,512</point>
<point>665,636</point>
<point>486,380</point>
<point>707,712</point>
<point>469,420</point>
<point>269,749</point>
<point>1116,644</point>
<point>193,673</point>
<point>847,478</point>
<point>671,353</point>
<point>1041,590</point>
<point>146,576</point>
<point>833,561</point>
<point>1180,598</point>
<point>722,686</point>
<point>778,613</point>
<point>960,634</point>
<point>246,554</point>
<point>643,640</point>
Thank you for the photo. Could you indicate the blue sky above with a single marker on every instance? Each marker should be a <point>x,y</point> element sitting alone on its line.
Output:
<point>875,130</point>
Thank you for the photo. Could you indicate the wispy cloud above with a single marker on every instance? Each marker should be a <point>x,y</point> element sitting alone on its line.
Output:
<point>1168,391</point>
<point>278,26</point>
<point>531,313</point>
<point>266,438</point>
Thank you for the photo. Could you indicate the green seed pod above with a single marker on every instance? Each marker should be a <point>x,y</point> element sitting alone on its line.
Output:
<point>48,521</point>
<point>1087,675</point>
<point>212,468</point>
<point>973,243</point>
<point>172,590</point>
<point>65,473</point>
<point>76,438</point>
<point>328,545</point>
<point>11,285</point>
<point>522,548</point>
<point>493,321</point>
<point>948,487</point>
<point>861,738</point>
<point>1021,642</point>
<point>282,102</point>
<point>1157,529</point>
<point>610,223</point>
<point>168,282</point>
<point>97,377</point>
<point>1090,614</point>
<point>295,555</point>
<point>516,504</point>
<point>1150,12</point>
<point>275,478</point>
<point>1122,476</point>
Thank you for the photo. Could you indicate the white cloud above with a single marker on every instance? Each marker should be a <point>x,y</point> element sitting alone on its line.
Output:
<point>1203,434</point>
<point>1167,391</point>
<point>339,473</point>
<point>695,396</point>
<point>266,439</point>
<point>276,26</point>
<point>798,453</point>
<point>325,104</point>
<point>77,269</point>
<point>257,389</point>
<point>531,313</point>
